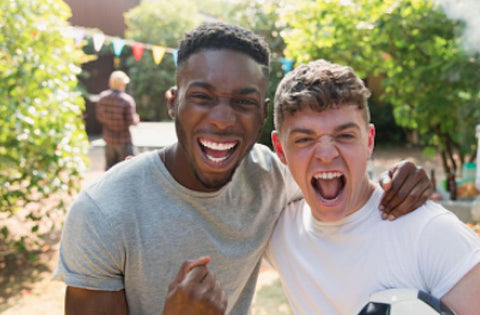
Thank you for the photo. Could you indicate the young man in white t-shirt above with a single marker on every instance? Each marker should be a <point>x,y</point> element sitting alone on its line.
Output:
<point>332,249</point>
<point>132,241</point>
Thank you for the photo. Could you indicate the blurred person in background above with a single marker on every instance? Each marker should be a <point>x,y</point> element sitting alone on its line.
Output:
<point>116,111</point>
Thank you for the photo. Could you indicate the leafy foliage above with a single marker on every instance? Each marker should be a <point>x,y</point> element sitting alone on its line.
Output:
<point>430,80</point>
<point>42,141</point>
<point>262,18</point>
<point>163,23</point>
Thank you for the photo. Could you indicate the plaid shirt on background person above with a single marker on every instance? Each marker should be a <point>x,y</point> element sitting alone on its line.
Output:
<point>116,111</point>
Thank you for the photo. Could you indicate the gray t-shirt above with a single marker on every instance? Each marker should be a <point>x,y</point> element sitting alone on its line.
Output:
<point>136,225</point>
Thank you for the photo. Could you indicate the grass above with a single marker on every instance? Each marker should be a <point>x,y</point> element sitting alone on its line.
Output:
<point>270,300</point>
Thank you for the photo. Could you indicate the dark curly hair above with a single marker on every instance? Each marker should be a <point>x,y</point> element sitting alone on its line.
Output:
<point>223,36</point>
<point>319,85</point>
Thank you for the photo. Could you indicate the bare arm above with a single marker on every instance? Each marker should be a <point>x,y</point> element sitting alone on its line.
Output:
<point>463,298</point>
<point>93,302</point>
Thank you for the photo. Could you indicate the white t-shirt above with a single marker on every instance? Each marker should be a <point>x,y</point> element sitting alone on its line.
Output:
<point>134,228</point>
<point>332,267</point>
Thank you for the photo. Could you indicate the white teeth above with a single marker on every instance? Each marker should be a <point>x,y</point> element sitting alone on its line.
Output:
<point>327,175</point>
<point>216,145</point>
<point>216,160</point>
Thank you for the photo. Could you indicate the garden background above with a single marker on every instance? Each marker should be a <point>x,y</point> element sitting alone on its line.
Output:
<point>420,58</point>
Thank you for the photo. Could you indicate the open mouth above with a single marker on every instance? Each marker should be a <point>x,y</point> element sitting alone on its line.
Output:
<point>328,185</point>
<point>216,151</point>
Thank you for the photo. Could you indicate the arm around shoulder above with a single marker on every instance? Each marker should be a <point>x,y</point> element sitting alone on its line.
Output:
<point>92,302</point>
<point>463,298</point>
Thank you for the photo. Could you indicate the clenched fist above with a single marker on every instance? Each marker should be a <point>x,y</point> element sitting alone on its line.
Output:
<point>195,290</point>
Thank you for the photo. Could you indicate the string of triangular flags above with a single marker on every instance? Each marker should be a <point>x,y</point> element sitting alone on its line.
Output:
<point>118,44</point>
<point>158,52</point>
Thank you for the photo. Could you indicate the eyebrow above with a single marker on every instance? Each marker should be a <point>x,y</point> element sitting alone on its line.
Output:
<point>208,86</point>
<point>337,129</point>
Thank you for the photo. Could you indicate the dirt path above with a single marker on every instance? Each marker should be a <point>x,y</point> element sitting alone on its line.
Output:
<point>27,289</point>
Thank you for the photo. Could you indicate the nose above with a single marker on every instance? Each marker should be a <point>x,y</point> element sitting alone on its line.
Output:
<point>222,115</point>
<point>325,149</point>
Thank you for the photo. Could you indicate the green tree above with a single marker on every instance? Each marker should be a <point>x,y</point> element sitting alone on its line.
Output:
<point>261,16</point>
<point>166,25</point>
<point>163,23</point>
<point>430,80</point>
<point>43,144</point>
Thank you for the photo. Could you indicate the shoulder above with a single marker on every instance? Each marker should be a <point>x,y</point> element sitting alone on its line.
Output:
<point>264,158</point>
<point>104,94</point>
<point>295,209</point>
<point>265,168</point>
<point>417,221</point>
<point>441,223</point>
<point>432,224</point>
<point>429,212</point>
<point>127,171</point>
<point>290,228</point>
<point>293,217</point>
<point>120,186</point>
<point>262,165</point>
<point>127,97</point>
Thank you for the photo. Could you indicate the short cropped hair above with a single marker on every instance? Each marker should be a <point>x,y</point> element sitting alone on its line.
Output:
<point>319,85</point>
<point>224,36</point>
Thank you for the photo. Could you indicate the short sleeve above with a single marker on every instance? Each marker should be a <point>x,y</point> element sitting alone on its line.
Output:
<point>91,255</point>
<point>448,249</point>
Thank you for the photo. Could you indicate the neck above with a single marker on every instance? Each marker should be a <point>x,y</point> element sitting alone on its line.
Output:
<point>178,166</point>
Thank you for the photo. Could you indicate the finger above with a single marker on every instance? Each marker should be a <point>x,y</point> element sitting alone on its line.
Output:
<point>385,181</point>
<point>413,192</point>
<point>217,296</point>
<point>209,280</point>
<point>197,275</point>
<point>394,194</point>
<point>413,200</point>
<point>221,296</point>
<point>400,191</point>
<point>400,195</point>
<point>186,267</point>
<point>398,174</point>
<point>387,176</point>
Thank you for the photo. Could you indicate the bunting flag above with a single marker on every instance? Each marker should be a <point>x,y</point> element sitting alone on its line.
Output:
<point>118,45</point>
<point>78,35</point>
<point>137,49</point>
<point>175,55</point>
<point>98,39</point>
<point>158,52</point>
<point>287,65</point>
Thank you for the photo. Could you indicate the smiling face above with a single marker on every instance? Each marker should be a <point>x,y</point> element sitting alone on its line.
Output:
<point>327,153</point>
<point>219,109</point>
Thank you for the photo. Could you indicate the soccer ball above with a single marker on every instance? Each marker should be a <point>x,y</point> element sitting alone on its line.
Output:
<point>404,302</point>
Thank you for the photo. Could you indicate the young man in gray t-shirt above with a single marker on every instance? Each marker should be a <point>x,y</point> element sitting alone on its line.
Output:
<point>129,239</point>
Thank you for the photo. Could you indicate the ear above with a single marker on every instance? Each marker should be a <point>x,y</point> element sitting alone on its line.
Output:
<point>277,146</point>
<point>171,96</point>
<point>371,138</point>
